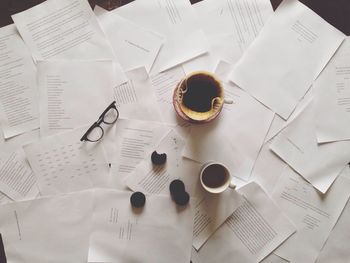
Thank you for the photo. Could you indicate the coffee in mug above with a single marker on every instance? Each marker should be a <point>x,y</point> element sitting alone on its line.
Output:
<point>199,97</point>
<point>215,177</point>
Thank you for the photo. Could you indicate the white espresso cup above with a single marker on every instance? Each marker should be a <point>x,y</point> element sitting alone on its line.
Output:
<point>215,178</point>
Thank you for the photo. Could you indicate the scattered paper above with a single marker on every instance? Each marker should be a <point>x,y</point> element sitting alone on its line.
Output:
<point>61,163</point>
<point>336,248</point>
<point>313,214</point>
<point>210,210</point>
<point>19,109</point>
<point>230,26</point>
<point>159,231</point>
<point>319,164</point>
<point>267,169</point>
<point>73,94</point>
<point>177,21</point>
<point>63,29</point>
<point>164,84</point>
<point>4,199</point>
<point>251,233</point>
<point>136,98</point>
<point>235,137</point>
<point>287,56</point>
<point>133,45</point>
<point>127,143</point>
<point>332,98</point>
<point>17,179</point>
<point>54,229</point>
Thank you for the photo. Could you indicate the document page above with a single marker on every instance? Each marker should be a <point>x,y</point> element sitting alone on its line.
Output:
<point>241,18</point>
<point>73,94</point>
<point>164,84</point>
<point>252,232</point>
<point>319,164</point>
<point>4,199</point>
<point>230,26</point>
<point>222,139</point>
<point>159,231</point>
<point>17,179</point>
<point>211,211</point>
<point>174,19</point>
<point>127,143</point>
<point>332,98</point>
<point>313,214</point>
<point>136,98</point>
<point>54,229</point>
<point>61,163</point>
<point>133,45</point>
<point>337,247</point>
<point>19,110</point>
<point>152,179</point>
<point>287,56</point>
<point>63,29</point>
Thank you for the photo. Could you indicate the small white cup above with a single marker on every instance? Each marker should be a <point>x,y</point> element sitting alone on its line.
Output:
<point>215,177</point>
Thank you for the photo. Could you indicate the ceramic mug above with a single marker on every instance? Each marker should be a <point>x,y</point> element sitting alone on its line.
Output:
<point>215,177</point>
<point>199,97</point>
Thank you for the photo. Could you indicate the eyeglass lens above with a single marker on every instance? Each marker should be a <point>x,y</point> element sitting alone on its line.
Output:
<point>111,116</point>
<point>95,134</point>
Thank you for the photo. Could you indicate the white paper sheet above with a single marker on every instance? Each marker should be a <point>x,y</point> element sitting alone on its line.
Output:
<point>73,94</point>
<point>267,169</point>
<point>61,163</point>
<point>4,199</point>
<point>337,249</point>
<point>19,109</point>
<point>133,45</point>
<point>62,29</point>
<point>222,48</point>
<point>287,56</point>
<point>160,231</point>
<point>332,91</point>
<point>251,233</point>
<point>210,210</point>
<point>54,229</point>
<point>235,137</point>
<point>164,84</point>
<point>313,214</point>
<point>319,164</point>
<point>127,143</point>
<point>278,123</point>
<point>17,179</point>
<point>136,98</point>
<point>152,179</point>
<point>230,26</point>
<point>177,21</point>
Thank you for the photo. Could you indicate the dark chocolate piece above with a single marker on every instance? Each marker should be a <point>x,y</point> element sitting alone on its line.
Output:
<point>138,199</point>
<point>158,159</point>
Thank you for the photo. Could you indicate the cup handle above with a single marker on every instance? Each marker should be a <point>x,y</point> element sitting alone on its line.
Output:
<point>232,185</point>
<point>228,101</point>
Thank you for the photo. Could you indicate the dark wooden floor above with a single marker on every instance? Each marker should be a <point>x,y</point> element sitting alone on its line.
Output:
<point>336,12</point>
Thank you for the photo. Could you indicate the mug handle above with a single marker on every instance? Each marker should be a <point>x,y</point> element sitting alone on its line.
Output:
<point>232,185</point>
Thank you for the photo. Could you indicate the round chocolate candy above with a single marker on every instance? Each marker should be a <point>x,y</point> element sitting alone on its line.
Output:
<point>176,187</point>
<point>138,199</point>
<point>182,199</point>
<point>157,158</point>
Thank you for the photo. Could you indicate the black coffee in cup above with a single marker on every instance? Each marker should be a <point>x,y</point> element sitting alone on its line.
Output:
<point>201,89</point>
<point>214,176</point>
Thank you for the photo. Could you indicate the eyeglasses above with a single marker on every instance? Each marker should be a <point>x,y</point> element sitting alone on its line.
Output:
<point>95,132</point>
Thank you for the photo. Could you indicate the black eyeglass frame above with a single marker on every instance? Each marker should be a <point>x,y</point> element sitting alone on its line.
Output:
<point>100,120</point>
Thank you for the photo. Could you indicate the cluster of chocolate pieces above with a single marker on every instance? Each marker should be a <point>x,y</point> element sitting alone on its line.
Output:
<point>176,187</point>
